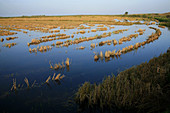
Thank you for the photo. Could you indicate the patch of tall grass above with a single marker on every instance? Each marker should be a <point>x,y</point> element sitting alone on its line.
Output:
<point>144,88</point>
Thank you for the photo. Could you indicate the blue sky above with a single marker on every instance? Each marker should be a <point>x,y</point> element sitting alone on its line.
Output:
<point>77,7</point>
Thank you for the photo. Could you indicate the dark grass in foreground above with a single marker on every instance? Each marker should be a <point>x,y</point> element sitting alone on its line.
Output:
<point>144,88</point>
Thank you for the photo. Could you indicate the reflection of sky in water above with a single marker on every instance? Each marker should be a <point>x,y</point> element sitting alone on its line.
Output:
<point>18,61</point>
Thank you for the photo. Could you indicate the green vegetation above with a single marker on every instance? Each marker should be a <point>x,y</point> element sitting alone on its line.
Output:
<point>164,18</point>
<point>144,88</point>
<point>165,24</point>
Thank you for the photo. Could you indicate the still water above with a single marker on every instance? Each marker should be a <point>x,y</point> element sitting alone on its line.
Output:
<point>17,62</point>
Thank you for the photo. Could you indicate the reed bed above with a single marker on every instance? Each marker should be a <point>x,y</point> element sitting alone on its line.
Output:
<point>81,48</point>
<point>161,26</point>
<point>102,29</point>
<point>11,38</point>
<point>119,31</point>
<point>9,45</point>
<point>47,24</point>
<point>144,88</point>
<point>6,33</point>
<point>40,49</point>
<point>19,87</point>
<point>128,38</point>
<point>60,65</point>
<point>129,48</point>
<point>83,27</point>
<point>83,39</point>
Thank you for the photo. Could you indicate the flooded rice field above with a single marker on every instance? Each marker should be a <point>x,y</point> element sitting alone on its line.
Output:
<point>41,67</point>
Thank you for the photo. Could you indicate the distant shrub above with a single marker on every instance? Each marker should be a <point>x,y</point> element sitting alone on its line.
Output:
<point>126,13</point>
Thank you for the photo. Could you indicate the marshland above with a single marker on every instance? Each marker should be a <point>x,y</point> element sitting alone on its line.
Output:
<point>85,63</point>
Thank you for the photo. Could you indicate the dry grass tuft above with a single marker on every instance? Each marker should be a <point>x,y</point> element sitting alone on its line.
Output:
<point>2,39</point>
<point>53,78</point>
<point>26,81</point>
<point>61,77</point>
<point>57,77</point>
<point>14,86</point>
<point>93,30</point>
<point>92,45</point>
<point>96,57</point>
<point>48,79</point>
<point>67,62</point>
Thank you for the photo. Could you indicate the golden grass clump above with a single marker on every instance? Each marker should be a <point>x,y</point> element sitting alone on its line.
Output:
<point>14,86</point>
<point>120,42</point>
<point>93,30</point>
<point>82,31</point>
<point>140,30</point>
<point>100,25</point>
<point>34,50</point>
<point>41,49</point>
<point>61,77</point>
<point>26,81</point>
<point>53,78</point>
<point>96,57</point>
<point>25,32</point>
<point>48,79</point>
<point>92,45</point>
<point>67,62</point>
<point>6,33</point>
<point>101,43</point>
<point>9,45</point>
<point>161,26</point>
<point>72,36</point>
<point>114,42</point>
<point>61,34</point>
<point>153,23</point>
<point>30,50</point>
<point>56,31</point>
<point>56,66</point>
<point>101,54</point>
<point>11,38</point>
<point>140,33</point>
<point>102,29</point>
<point>57,77</point>
<point>2,39</point>
<point>64,37</point>
<point>28,44</point>
<point>81,48</point>
<point>111,27</point>
<point>107,54</point>
<point>113,53</point>
<point>35,41</point>
<point>59,43</point>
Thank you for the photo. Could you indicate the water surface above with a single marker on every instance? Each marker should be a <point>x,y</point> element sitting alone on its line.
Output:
<point>17,62</point>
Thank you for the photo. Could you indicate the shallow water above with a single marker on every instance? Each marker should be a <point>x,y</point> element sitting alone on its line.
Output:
<point>17,62</point>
